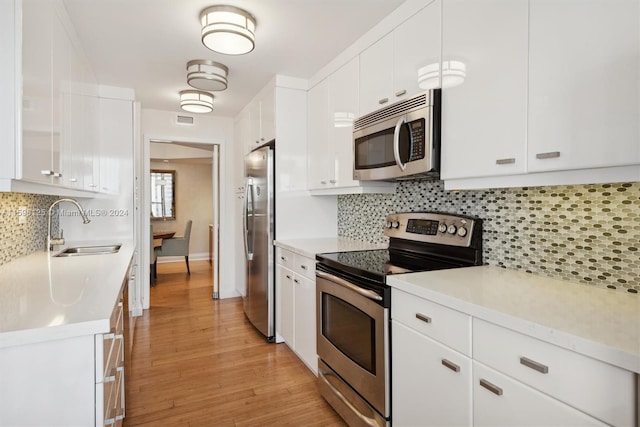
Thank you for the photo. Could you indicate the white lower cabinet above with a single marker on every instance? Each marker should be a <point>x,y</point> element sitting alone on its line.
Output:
<point>296,305</point>
<point>512,379</point>
<point>499,400</point>
<point>431,383</point>
<point>75,381</point>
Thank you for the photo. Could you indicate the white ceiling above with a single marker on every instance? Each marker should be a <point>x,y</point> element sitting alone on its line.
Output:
<point>145,44</point>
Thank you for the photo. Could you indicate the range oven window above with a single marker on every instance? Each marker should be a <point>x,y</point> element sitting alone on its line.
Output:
<point>350,330</point>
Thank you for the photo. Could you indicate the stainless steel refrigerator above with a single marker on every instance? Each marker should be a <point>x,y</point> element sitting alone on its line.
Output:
<point>259,232</point>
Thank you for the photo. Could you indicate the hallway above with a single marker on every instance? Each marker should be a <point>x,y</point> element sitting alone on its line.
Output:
<point>199,362</point>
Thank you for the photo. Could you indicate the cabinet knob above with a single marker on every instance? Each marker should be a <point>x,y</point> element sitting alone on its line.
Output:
<point>288,277</point>
<point>333,181</point>
<point>401,92</point>
<point>57,174</point>
<point>46,172</point>
<point>296,281</point>
<point>302,266</point>
<point>422,317</point>
<point>549,155</point>
<point>449,364</point>
<point>505,161</point>
<point>73,179</point>
<point>491,387</point>
<point>383,101</point>
<point>323,182</point>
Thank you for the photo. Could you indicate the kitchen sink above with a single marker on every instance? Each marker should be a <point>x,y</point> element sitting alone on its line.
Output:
<point>90,250</point>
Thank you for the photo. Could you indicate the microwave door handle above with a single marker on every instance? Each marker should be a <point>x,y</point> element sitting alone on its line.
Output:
<point>396,144</point>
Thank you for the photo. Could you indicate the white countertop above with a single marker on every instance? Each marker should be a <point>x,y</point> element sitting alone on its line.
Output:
<point>312,246</point>
<point>43,297</point>
<point>596,322</point>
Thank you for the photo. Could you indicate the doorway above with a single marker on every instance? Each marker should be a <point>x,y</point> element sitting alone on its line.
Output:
<point>182,184</point>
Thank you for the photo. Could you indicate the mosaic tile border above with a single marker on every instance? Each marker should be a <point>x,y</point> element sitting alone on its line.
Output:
<point>580,233</point>
<point>17,239</point>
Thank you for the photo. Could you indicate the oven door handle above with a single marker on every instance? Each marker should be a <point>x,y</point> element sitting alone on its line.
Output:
<point>368,421</point>
<point>338,281</point>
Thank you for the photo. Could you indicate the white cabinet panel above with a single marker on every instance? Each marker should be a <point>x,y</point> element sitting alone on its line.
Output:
<point>285,307</point>
<point>268,115</point>
<point>431,383</point>
<point>305,321</point>
<point>416,45</point>
<point>376,74</point>
<point>502,401</point>
<point>484,118</point>
<point>318,136</point>
<point>584,84</point>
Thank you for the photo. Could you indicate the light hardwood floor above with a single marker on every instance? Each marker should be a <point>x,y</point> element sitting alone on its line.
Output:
<point>199,362</point>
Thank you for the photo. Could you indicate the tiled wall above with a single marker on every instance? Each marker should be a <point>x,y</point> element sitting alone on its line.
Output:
<point>581,233</point>
<point>18,239</point>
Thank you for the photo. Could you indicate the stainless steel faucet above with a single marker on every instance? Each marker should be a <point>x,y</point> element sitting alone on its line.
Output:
<point>51,241</point>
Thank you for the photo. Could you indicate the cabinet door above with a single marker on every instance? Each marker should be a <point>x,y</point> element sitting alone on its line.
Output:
<point>343,109</point>
<point>318,136</point>
<point>427,388</point>
<point>417,43</point>
<point>583,85</point>
<point>253,131</point>
<point>37,122</point>
<point>305,321</point>
<point>284,308</point>
<point>376,75</point>
<point>502,401</point>
<point>62,112</point>
<point>484,118</point>
<point>268,116</point>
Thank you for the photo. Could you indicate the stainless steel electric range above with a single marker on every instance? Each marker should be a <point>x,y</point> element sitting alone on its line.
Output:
<point>354,302</point>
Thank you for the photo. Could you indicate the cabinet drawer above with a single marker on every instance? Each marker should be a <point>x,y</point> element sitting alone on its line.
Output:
<point>501,401</point>
<point>305,267</point>
<point>450,327</point>
<point>285,258</point>
<point>597,388</point>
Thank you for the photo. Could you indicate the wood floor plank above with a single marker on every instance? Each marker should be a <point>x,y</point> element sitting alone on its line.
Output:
<point>197,362</point>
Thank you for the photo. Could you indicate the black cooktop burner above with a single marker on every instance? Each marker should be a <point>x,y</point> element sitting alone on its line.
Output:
<point>377,264</point>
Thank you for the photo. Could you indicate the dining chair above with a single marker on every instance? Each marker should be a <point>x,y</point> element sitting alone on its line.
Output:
<point>152,258</point>
<point>176,246</point>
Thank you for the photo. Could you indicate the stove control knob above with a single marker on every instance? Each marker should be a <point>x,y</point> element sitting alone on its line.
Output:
<point>395,224</point>
<point>452,229</point>
<point>388,224</point>
<point>442,228</point>
<point>462,231</point>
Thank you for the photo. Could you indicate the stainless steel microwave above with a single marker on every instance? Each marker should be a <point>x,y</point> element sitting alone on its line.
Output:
<point>400,141</point>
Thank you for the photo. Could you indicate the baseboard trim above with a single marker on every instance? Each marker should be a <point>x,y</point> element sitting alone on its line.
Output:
<point>201,256</point>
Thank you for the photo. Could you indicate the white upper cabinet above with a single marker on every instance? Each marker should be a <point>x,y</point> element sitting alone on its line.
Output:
<point>261,111</point>
<point>318,137</point>
<point>40,134</point>
<point>583,84</point>
<point>389,68</point>
<point>484,117</point>
<point>332,107</point>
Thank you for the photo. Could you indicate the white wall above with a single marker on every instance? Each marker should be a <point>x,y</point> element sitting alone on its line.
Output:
<point>207,129</point>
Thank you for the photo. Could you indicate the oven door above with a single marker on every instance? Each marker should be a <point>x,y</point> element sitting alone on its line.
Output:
<point>352,337</point>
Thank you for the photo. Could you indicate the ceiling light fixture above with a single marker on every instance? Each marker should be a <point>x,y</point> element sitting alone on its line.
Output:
<point>196,101</point>
<point>227,29</point>
<point>453,74</point>
<point>207,75</point>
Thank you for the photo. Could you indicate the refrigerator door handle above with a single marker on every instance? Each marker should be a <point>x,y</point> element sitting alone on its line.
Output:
<point>245,217</point>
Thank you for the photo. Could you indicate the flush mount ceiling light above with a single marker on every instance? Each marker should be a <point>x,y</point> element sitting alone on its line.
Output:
<point>196,101</point>
<point>453,74</point>
<point>227,29</point>
<point>207,75</point>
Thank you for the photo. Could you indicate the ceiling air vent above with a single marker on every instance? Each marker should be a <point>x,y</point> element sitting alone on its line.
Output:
<point>184,120</point>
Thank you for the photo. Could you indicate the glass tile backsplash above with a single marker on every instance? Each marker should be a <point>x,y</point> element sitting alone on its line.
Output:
<point>19,239</point>
<point>580,233</point>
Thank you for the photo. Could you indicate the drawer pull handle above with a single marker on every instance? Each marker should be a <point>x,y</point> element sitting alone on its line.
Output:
<point>304,267</point>
<point>383,101</point>
<point>424,318</point>
<point>505,161</point>
<point>296,281</point>
<point>549,155</point>
<point>288,277</point>
<point>536,366</point>
<point>451,365</point>
<point>491,387</point>
<point>401,92</point>
<point>333,181</point>
<point>283,258</point>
